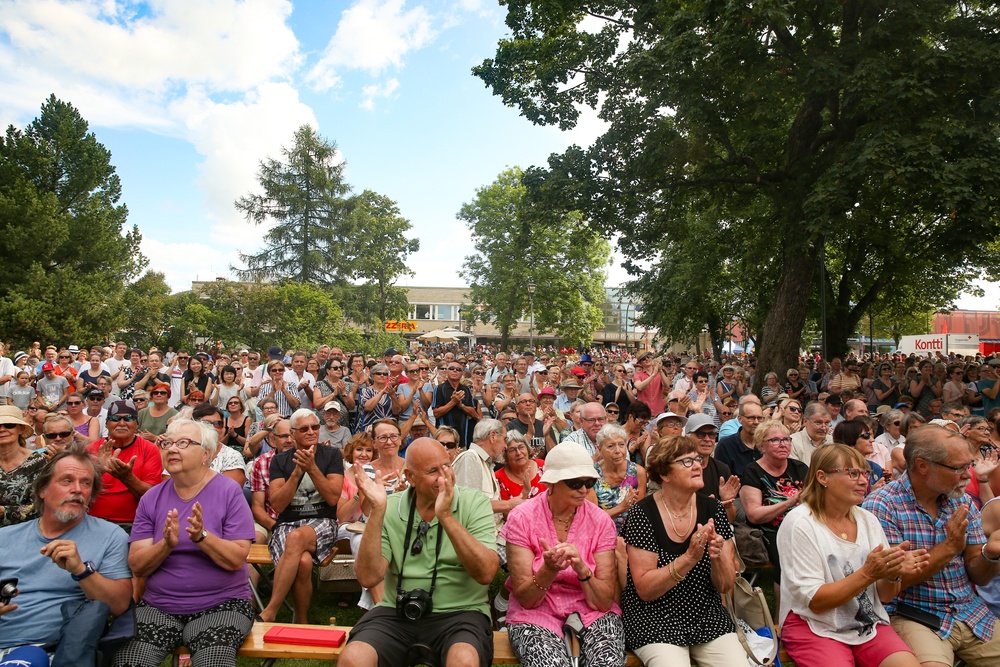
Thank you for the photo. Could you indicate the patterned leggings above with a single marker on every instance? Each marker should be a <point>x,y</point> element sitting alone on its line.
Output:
<point>602,644</point>
<point>213,636</point>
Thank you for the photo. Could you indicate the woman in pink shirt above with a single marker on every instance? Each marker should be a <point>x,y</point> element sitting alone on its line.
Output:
<point>561,557</point>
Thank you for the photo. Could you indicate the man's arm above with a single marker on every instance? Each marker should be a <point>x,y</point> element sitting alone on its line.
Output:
<point>259,512</point>
<point>478,560</point>
<point>116,593</point>
<point>370,565</point>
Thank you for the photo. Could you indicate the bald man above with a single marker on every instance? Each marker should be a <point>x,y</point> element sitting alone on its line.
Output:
<point>434,544</point>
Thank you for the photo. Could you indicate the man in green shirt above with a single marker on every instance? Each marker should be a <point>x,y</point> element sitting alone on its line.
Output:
<point>435,546</point>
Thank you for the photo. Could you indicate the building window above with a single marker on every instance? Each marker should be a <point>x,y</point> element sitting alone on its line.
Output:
<point>446,313</point>
<point>423,312</point>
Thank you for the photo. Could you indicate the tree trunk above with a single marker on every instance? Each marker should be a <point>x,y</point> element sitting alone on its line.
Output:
<point>504,336</point>
<point>782,333</point>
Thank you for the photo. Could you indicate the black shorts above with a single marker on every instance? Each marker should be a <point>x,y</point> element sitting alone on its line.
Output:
<point>391,637</point>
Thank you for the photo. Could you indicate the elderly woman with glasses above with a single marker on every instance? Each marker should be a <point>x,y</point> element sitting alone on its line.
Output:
<point>561,557</point>
<point>839,569</point>
<point>521,475</point>
<point>376,402</point>
<point>333,387</point>
<point>771,485</point>
<point>622,482</point>
<point>680,557</point>
<point>19,466</point>
<point>976,431</point>
<point>190,540</point>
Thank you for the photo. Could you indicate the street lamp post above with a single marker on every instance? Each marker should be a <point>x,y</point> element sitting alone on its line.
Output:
<point>531,306</point>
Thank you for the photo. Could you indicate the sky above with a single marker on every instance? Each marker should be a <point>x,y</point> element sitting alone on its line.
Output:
<point>190,95</point>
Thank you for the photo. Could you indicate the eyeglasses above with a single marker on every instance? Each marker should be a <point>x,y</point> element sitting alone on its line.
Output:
<point>865,436</point>
<point>853,473</point>
<point>779,441</point>
<point>179,443</point>
<point>577,484</point>
<point>822,426</point>
<point>753,418</point>
<point>480,373</point>
<point>159,393</point>
<point>74,402</point>
<point>793,375</point>
<point>527,401</point>
<point>726,414</point>
<point>541,372</point>
<point>418,544</point>
<point>516,448</point>
<point>961,470</point>
<point>706,435</point>
<point>392,437</point>
<point>594,420</point>
<point>183,358</point>
<point>983,429</point>
<point>689,461</point>
<point>254,358</point>
<point>307,428</point>
<point>121,418</point>
<point>449,445</point>
<point>217,423</point>
<point>60,435</point>
<point>335,368</point>
<point>455,368</point>
<point>65,356</point>
<point>380,373</point>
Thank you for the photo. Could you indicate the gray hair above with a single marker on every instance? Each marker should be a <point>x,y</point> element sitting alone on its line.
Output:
<point>485,427</point>
<point>814,408</point>
<point>301,414</point>
<point>928,443</point>
<point>890,416</point>
<point>208,436</point>
<point>379,367</point>
<point>610,431</point>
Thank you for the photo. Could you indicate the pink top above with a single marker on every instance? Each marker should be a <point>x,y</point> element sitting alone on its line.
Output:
<point>347,491</point>
<point>592,531</point>
<point>652,395</point>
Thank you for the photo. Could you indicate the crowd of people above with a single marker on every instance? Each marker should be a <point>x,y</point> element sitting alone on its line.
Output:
<point>605,486</point>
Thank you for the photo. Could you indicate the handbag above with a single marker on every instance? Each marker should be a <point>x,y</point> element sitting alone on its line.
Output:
<point>751,545</point>
<point>747,603</point>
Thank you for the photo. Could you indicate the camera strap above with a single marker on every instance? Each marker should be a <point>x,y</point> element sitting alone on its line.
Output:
<point>406,547</point>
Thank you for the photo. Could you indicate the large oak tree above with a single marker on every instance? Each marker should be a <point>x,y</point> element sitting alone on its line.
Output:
<point>795,125</point>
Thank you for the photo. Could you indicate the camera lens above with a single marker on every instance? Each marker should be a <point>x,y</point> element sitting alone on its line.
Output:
<point>413,610</point>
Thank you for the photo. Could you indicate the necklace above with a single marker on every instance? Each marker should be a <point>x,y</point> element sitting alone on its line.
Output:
<point>671,515</point>
<point>563,521</point>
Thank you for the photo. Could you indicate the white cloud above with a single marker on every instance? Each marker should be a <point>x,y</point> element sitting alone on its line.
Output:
<point>269,114</point>
<point>217,43</point>
<point>372,36</point>
<point>371,92</point>
<point>183,262</point>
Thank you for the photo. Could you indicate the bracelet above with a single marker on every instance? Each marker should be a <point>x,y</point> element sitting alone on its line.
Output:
<point>673,573</point>
<point>988,559</point>
<point>898,579</point>
<point>587,578</point>
<point>534,581</point>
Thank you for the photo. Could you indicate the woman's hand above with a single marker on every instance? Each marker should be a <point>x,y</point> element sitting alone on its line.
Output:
<point>171,529</point>
<point>714,541</point>
<point>883,563</point>
<point>729,489</point>
<point>699,541</point>
<point>915,560</point>
<point>553,556</point>
<point>195,523</point>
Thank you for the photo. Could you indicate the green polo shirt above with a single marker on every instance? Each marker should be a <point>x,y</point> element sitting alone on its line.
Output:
<point>456,590</point>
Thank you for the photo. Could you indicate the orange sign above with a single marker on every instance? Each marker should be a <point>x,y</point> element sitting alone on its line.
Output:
<point>401,325</point>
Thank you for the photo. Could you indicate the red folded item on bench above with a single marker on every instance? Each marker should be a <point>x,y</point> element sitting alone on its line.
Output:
<point>305,636</point>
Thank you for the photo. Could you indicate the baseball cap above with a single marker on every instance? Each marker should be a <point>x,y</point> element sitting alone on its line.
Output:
<point>123,408</point>
<point>334,405</point>
<point>47,366</point>
<point>698,421</point>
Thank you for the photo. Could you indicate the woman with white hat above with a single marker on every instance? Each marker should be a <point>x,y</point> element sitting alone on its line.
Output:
<point>561,557</point>
<point>18,467</point>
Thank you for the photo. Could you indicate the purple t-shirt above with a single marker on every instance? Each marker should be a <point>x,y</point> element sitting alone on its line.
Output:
<point>188,581</point>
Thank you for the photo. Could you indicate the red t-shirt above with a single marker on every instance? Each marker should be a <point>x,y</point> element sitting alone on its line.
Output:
<point>116,502</point>
<point>512,489</point>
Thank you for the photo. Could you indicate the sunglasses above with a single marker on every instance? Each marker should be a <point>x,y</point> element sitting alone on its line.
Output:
<point>577,484</point>
<point>335,368</point>
<point>612,412</point>
<point>455,368</point>
<point>792,408</point>
<point>101,398</point>
<point>418,544</point>
<point>74,402</point>
<point>60,435</point>
<point>121,418</point>
<point>310,427</point>
<point>449,445</point>
<point>134,399</point>
<point>159,393</point>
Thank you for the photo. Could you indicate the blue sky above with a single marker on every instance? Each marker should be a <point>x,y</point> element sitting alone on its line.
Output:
<point>189,95</point>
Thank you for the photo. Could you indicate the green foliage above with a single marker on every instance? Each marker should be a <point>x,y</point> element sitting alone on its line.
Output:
<point>67,254</point>
<point>379,250</point>
<point>290,315</point>
<point>865,131</point>
<point>146,301</point>
<point>305,196</point>
<point>517,245</point>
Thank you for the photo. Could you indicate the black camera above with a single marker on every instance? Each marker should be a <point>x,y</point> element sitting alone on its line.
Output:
<point>8,589</point>
<point>413,605</point>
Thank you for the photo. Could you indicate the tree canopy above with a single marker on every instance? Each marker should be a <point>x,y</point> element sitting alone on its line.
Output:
<point>564,258</point>
<point>863,134</point>
<point>67,253</point>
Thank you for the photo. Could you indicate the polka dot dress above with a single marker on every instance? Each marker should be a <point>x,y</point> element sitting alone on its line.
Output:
<point>691,612</point>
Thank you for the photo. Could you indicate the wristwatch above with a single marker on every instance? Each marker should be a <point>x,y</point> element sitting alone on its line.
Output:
<point>88,569</point>
<point>201,538</point>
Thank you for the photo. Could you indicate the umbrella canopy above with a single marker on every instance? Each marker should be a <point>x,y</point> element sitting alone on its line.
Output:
<point>455,332</point>
<point>438,336</point>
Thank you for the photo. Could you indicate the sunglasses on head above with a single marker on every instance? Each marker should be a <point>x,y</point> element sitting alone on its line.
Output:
<point>577,484</point>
